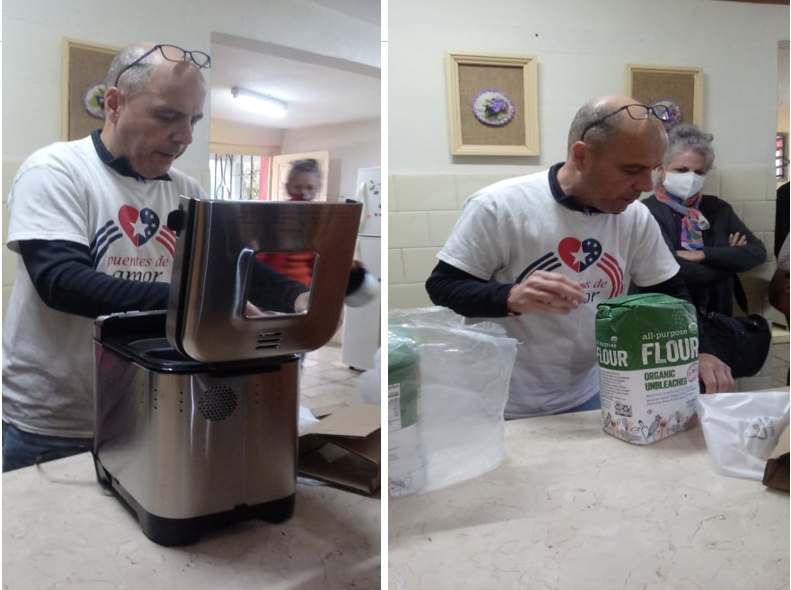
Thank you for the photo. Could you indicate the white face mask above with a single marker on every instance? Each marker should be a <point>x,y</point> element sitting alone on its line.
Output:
<point>683,185</point>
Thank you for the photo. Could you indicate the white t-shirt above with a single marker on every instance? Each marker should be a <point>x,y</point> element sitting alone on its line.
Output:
<point>515,227</point>
<point>65,192</point>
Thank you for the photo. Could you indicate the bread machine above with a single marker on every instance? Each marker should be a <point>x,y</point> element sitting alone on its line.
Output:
<point>196,407</point>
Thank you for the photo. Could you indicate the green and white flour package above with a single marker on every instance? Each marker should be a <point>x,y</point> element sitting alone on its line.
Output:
<point>647,349</point>
<point>405,459</point>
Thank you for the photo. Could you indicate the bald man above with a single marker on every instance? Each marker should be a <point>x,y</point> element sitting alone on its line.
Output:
<point>538,253</point>
<point>88,220</point>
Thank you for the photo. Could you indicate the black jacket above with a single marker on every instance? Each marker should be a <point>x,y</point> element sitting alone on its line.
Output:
<point>710,283</point>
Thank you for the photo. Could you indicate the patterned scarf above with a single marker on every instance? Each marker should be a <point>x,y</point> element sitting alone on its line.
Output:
<point>692,221</point>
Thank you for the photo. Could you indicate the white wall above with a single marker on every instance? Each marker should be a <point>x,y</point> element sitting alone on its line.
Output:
<point>582,49</point>
<point>351,146</point>
<point>229,137</point>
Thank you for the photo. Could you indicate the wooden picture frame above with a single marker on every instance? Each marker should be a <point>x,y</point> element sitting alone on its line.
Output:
<point>280,166</point>
<point>85,65</point>
<point>470,75</point>
<point>683,85</point>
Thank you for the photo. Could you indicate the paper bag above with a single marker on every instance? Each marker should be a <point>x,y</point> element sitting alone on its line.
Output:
<point>343,449</point>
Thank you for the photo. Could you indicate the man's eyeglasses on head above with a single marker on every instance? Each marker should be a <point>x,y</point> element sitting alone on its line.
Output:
<point>171,53</point>
<point>636,112</point>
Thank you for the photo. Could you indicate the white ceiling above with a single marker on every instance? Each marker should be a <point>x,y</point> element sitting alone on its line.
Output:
<point>320,90</point>
<point>368,10</point>
<point>316,94</point>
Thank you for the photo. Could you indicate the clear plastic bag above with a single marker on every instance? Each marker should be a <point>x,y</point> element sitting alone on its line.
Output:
<point>368,386</point>
<point>463,372</point>
<point>742,429</point>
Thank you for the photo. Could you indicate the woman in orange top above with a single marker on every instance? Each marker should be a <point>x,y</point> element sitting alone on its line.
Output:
<point>304,183</point>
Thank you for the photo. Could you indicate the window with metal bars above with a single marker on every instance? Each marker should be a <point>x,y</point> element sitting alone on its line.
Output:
<point>781,159</point>
<point>235,177</point>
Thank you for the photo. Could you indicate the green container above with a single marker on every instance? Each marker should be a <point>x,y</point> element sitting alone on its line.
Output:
<point>402,373</point>
<point>405,458</point>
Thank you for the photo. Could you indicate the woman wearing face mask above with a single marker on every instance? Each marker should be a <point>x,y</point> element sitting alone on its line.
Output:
<point>304,180</point>
<point>708,239</point>
<point>303,184</point>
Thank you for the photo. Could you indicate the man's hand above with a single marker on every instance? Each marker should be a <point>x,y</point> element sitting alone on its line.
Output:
<point>251,310</point>
<point>300,306</point>
<point>715,374</point>
<point>546,292</point>
<point>301,302</point>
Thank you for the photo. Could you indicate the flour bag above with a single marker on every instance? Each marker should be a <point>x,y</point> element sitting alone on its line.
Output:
<point>647,349</point>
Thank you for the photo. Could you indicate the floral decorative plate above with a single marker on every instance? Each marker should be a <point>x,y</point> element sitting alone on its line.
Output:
<point>673,109</point>
<point>93,99</point>
<point>493,107</point>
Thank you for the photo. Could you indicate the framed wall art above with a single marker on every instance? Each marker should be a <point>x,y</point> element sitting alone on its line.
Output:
<point>492,104</point>
<point>678,88</point>
<point>85,66</point>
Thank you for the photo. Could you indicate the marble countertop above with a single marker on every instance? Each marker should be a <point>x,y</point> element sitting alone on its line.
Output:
<point>572,508</point>
<point>62,531</point>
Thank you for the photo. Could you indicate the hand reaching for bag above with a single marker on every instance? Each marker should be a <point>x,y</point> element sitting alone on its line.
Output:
<point>715,375</point>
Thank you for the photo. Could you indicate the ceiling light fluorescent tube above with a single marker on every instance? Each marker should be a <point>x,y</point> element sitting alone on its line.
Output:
<point>259,103</point>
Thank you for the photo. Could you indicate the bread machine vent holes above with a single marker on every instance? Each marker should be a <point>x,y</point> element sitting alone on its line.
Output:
<point>217,403</point>
<point>269,340</point>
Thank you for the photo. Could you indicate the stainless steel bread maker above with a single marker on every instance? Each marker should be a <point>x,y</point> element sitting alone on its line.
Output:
<point>196,407</point>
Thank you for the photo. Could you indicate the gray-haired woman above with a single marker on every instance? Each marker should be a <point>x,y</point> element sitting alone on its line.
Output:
<point>707,238</point>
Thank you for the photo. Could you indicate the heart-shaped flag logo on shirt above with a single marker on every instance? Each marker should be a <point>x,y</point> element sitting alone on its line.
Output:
<point>140,225</point>
<point>579,255</point>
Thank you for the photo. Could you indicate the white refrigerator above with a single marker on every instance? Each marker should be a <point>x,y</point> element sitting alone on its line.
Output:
<point>362,325</point>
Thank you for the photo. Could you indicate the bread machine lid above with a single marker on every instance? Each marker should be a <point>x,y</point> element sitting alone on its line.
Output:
<point>220,249</point>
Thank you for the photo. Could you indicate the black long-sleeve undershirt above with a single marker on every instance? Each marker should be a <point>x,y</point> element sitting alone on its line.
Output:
<point>466,294</point>
<point>63,275</point>
<point>469,296</point>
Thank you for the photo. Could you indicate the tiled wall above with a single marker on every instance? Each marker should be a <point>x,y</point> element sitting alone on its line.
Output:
<point>423,209</point>
<point>421,213</point>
